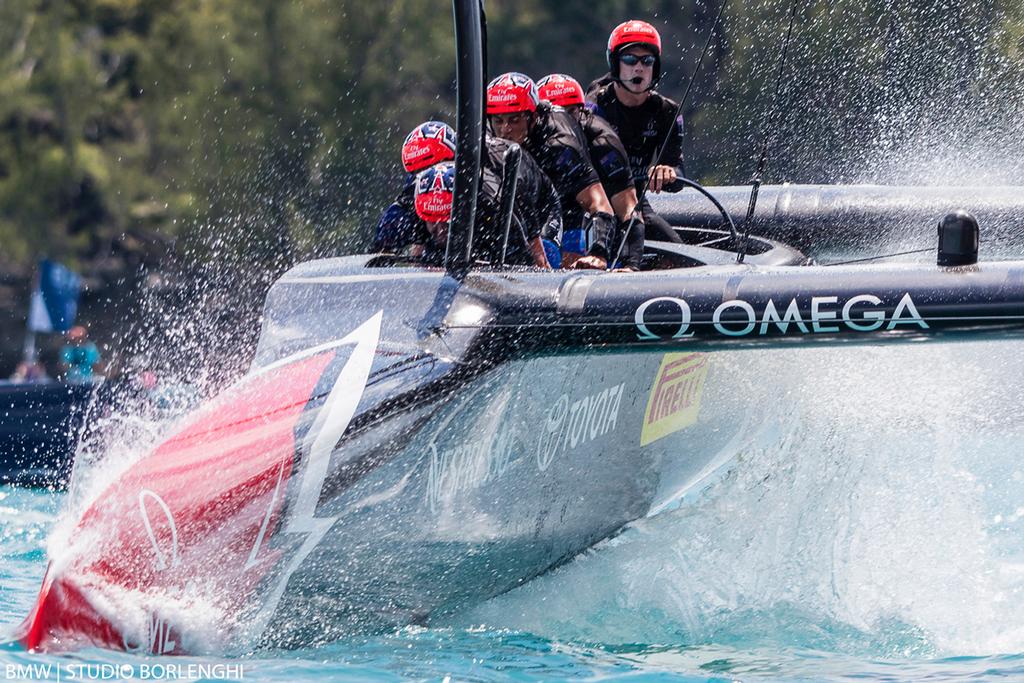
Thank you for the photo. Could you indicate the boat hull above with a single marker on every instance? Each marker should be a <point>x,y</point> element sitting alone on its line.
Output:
<point>408,444</point>
<point>485,482</point>
<point>526,466</point>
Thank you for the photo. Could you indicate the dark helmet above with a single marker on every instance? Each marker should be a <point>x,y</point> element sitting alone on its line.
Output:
<point>628,34</point>
<point>428,144</point>
<point>565,91</point>
<point>510,93</point>
<point>435,188</point>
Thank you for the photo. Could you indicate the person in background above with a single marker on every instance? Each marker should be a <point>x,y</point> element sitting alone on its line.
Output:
<point>644,119</point>
<point>609,158</point>
<point>427,144</point>
<point>29,371</point>
<point>79,357</point>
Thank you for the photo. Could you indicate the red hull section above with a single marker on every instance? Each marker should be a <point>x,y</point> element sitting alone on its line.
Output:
<point>182,536</point>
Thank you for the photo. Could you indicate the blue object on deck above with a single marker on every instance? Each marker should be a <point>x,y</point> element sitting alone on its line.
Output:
<point>553,253</point>
<point>574,241</point>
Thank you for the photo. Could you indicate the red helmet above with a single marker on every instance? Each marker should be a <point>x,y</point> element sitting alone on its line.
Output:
<point>435,188</point>
<point>510,93</point>
<point>428,144</point>
<point>565,91</point>
<point>629,33</point>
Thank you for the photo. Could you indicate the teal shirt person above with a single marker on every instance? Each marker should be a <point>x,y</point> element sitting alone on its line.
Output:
<point>79,356</point>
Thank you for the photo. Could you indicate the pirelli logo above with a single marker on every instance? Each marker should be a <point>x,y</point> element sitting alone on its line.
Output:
<point>675,397</point>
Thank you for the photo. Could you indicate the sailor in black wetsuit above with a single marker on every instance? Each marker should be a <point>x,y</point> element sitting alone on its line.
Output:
<point>557,143</point>
<point>536,215</point>
<point>626,98</point>
<point>537,211</point>
<point>429,143</point>
<point>609,158</point>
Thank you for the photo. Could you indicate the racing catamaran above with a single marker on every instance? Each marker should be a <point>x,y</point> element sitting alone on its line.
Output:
<point>411,441</point>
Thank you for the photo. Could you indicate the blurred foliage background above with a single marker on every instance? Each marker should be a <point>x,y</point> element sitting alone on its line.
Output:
<point>204,138</point>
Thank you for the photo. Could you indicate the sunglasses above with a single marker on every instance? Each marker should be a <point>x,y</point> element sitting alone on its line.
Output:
<point>633,60</point>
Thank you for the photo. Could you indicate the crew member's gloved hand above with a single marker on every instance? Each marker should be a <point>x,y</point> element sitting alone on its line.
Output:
<point>633,251</point>
<point>603,231</point>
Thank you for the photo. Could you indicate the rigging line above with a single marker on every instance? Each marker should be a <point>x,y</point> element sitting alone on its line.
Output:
<point>769,137</point>
<point>686,93</point>
<point>656,157</point>
<point>880,256</point>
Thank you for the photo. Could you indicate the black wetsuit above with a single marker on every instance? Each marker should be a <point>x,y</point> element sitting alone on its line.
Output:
<point>609,156</point>
<point>558,144</point>
<point>642,130</point>
<point>612,163</point>
<point>536,212</point>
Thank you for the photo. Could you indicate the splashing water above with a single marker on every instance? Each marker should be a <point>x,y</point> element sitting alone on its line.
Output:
<point>875,514</point>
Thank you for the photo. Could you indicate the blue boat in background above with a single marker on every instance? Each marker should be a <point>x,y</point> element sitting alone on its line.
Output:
<point>39,427</point>
<point>40,418</point>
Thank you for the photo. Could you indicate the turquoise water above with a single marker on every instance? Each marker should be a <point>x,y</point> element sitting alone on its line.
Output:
<point>783,643</point>
<point>870,532</point>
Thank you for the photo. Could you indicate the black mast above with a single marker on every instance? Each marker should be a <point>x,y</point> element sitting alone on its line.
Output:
<point>469,74</point>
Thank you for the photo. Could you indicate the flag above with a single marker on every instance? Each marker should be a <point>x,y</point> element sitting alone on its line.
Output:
<point>55,299</point>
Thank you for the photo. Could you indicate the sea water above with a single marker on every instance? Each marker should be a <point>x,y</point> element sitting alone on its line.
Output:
<point>869,527</point>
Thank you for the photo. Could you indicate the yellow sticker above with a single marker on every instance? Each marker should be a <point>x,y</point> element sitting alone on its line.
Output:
<point>675,397</point>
